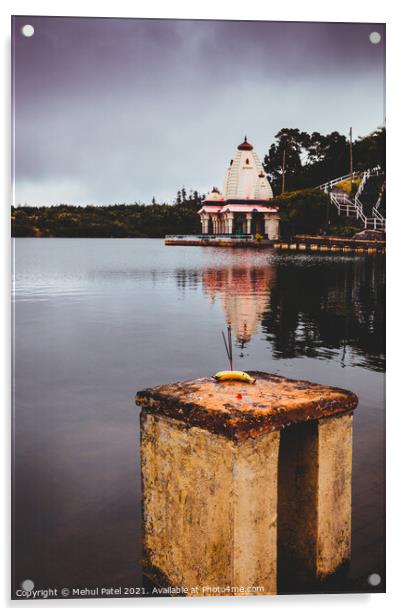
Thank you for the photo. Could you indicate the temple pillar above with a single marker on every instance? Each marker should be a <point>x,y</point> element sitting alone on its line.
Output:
<point>214,223</point>
<point>266,220</point>
<point>204,223</point>
<point>271,225</point>
<point>230,218</point>
<point>249,218</point>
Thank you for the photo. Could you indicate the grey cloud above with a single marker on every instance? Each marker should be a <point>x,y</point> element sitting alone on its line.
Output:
<point>120,110</point>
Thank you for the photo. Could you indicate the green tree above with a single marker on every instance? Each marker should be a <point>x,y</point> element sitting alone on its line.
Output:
<point>289,145</point>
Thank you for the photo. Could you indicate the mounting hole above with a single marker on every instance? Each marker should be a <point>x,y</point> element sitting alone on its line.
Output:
<point>27,585</point>
<point>374,579</point>
<point>28,30</point>
<point>375,38</point>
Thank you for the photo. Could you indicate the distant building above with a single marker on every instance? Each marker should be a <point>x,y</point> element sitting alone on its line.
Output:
<point>244,205</point>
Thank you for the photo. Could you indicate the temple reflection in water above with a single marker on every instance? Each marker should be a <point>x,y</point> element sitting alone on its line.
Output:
<point>244,292</point>
<point>302,308</point>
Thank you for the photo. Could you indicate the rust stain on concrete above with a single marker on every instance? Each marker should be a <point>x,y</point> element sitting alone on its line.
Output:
<point>271,404</point>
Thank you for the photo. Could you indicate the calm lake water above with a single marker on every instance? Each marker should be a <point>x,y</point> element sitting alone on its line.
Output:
<point>96,320</point>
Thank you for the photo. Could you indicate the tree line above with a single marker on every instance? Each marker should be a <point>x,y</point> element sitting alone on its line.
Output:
<point>121,220</point>
<point>310,159</point>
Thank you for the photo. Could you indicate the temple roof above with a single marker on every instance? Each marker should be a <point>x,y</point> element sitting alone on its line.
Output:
<point>244,207</point>
<point>245,179</point>
<point>221,208</point>
<point>211,209</point>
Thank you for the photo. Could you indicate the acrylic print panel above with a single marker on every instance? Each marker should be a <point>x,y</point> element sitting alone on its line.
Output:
<point>173,181</point>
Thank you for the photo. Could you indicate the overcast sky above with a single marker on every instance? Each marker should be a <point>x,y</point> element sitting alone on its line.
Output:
<point>120,110</point>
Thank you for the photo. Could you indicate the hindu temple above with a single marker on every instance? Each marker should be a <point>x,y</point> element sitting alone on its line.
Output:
<point>244,206</point>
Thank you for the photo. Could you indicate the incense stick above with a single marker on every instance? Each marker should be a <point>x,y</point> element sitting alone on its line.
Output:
<point>228,346</point>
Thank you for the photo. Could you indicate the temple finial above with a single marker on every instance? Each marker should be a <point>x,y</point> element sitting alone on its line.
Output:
<point>245,145</point>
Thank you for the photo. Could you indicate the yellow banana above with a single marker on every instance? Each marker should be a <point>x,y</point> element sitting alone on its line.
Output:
<point>234,375</point>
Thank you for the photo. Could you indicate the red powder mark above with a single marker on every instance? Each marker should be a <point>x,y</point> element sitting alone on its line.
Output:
<point>239,396</point>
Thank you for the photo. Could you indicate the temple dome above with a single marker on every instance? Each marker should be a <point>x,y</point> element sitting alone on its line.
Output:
<point>214,195</point>
<point>245,178</point>
<point>245,145</point>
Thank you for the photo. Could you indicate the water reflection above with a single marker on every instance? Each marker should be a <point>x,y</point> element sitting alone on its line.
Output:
<point>318,310</point>
<point>244,293</point>
<point>304,308</point>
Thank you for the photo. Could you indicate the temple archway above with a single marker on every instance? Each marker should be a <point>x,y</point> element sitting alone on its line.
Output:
<point>238,224</point>
<point>257,224</point>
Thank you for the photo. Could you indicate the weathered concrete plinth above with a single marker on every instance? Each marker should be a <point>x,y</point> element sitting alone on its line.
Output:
<point>314,500</point>
<point>210,457</point>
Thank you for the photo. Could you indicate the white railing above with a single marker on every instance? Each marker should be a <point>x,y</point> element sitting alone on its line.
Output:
<point>374,171</point>
<point>365,177</point>
<point>378,202</point>
<point>343,204</point>
<point>376,212</point>
<point>332,183</point>
<point>375,222</point>
<point>342,198</point>
<point>379,217</point>
<point>347,207</point>
<point>359,210</point>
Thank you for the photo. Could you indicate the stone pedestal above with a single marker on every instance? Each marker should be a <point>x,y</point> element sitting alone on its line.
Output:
<point>213,508</point>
